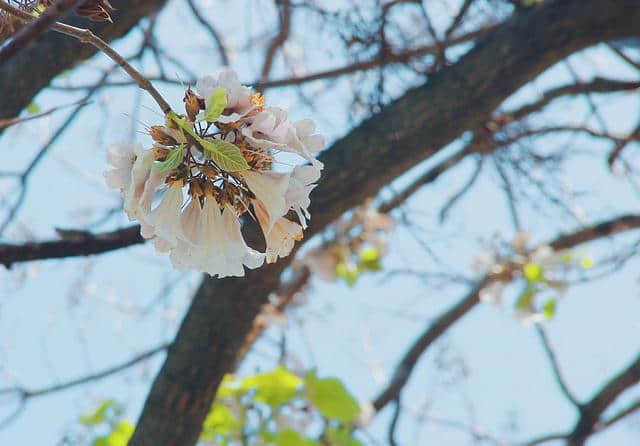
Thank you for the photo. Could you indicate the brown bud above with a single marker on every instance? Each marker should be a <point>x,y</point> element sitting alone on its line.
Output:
<point>160,153</point>
<point>191,104</point>
<point>209,190</point>
<point>96,10</point>
<point>159,135</point>
<point>195,189</point>
<point>208,171</point>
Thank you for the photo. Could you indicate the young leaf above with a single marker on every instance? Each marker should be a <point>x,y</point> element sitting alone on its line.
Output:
<point>219,421</point>
<point>289,437</point>
<point>224,154</point>
<point>121,435</point>
<point>33,108</point>
<point>98,415</point>
<point>533,272</point>
<point>549,309</point>
<point>331,398</point>
<point>217,103</point>
<point>173,160</point>
<point>341,437</point>
<point>275,387</point>
<point>525,300</point>
<point>586,262</point>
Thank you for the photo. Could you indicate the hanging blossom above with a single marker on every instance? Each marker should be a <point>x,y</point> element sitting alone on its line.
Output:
<point>212,166</point>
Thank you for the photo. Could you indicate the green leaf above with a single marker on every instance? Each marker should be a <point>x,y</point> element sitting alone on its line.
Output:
<point>217,104</point>
<point>33,107</point>
<point>370,259</point>
<point>533,272</point>
<point>341,437</point>
<point>275,387</point>
<point>230,387</point>
<point>525,300</point>
<point>173,160</point>
<point>219,421</point>
<point>369,255</point>
<point>98,415</point>
<point>121,435</point>
<point>586,262</point>
<point>289,437</point>
<point>224,154</point>
<point>549,309</point>
<point>348,272</point>
<point>331,398</point>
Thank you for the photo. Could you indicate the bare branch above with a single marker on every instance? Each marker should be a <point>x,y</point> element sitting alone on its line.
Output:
<point>441,324</point>
<point>25,394</point>
<point>4,123</point>
<point>87,36</point>
<point>556,367</point>
<point>591,412</point>
<point>79,244</point>
<point>36,27</point>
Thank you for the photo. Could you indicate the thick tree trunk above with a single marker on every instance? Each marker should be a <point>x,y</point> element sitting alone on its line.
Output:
<point>382,148</point>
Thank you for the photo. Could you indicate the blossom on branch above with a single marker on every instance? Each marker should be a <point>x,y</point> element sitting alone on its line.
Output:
<point>212,167</point>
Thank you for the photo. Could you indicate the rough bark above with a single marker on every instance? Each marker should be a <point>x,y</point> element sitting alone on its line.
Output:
<point>379,150</point>
<point>55,53</point>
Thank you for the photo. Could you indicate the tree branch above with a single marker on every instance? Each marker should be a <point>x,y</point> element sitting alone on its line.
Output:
<point>19,82</point>
<point>31,32</point>
<point>77,244</point>
<point>592,411</point>
<point>408,362</point>
<point>415,127</point>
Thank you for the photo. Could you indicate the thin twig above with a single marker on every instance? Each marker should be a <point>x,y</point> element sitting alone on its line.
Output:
<point>4,123</point>
<point>88,37</point>
<point>556,367</point>
<point>36,27</point>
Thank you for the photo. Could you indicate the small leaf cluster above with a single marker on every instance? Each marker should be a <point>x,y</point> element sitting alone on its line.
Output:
<point>281,408</point>
<point>545,283</point>
<point>108,419</point>
<point>276,408</point>
<point>349,269</point>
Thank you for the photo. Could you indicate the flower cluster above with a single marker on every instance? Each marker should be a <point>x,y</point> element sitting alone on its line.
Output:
<point>542,275</point>
<point>360,243</point>
<point>212,166</point>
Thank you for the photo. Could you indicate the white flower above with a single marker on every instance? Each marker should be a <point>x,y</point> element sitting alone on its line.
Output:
<point>238,96</point>
<point>209,256</point>
<point>304,142</point>
<point>281,238</point>
<point>140,173</point>
<point>122,157</point>
<point>270,188</point>
<point>206,234</point>
<point>165,219</point>
<point>300,186</point>
<point>219,249</point>
<point>237,251</point>
<point>183,256</point>
<point>269,129</point>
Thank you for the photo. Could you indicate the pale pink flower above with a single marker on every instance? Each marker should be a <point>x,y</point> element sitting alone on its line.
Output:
<point>238,96</point>
<point>121,157</point>
<point>300,186</point>
<point>165,218</point>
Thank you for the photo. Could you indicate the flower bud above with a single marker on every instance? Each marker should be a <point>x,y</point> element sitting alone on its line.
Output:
<point>191,104</point>
<point>159,135</point>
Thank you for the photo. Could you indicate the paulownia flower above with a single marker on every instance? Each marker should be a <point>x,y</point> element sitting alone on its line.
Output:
<point>211,170</point>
